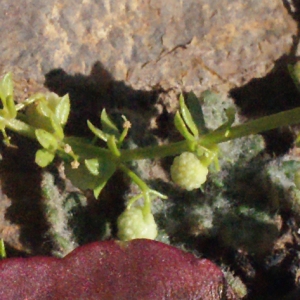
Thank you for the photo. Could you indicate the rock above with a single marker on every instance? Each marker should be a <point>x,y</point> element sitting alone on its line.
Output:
<point>189,45</point>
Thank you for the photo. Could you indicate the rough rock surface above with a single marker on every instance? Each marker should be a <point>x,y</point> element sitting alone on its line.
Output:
<point>193,44</point>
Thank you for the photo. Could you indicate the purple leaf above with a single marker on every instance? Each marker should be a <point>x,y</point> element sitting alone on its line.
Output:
<point>139,269</point>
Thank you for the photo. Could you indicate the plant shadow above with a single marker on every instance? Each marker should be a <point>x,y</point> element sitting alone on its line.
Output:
<point>21,178</point>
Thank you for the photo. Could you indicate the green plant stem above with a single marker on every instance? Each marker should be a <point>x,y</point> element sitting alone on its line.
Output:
<point>155,151</point>
<point>141,184</point>
<point>285,118</point>
<point>143,187</point>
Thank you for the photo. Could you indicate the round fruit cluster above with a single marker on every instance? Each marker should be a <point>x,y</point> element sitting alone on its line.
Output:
<point>188,172</point>
<point>134,224</point>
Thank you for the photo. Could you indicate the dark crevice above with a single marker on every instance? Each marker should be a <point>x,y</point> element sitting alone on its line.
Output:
<point>273,93</point>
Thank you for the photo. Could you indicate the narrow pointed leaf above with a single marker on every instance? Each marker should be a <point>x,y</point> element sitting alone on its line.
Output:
<point>11,107</point>
<point>102,169</point>
<point>294,71</point>
<point>6,87</point>
<point>181,127</point>
<point>2,123</point>
<point>97,132</point>
<point>62,110</point>
<point>187,117</point>
<point>112,145</point>
<point>108,126</point>
<point>196,111</point>
<point>97,190</point>
<point>2,249</point>
<point>57,129</point>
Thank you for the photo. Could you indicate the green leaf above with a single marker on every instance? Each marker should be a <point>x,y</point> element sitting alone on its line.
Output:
<point>2,249</point>
<point>43,108</point>
<point>62,110</point>
<point>196,111</point>
<point>99,166</point>
<point>98,189</point>
<point>187,117</point>
<point>43,157</point>
<point>2,123</point>
<point>11,107</point>
<point>93,174</point>
<point>81,177</point>
<point>46,139</point>
<point>101,184</point>
<point>294,71</point>
<point>6,95</point>
<point>6,88</point>
<point>108,125</point>
<point>92,165</point>
<point>112,145</point>
<point>97,132</point>
<point>230,114</point>
<point>181,127</point>
<point>297,142</point>
<point>58,130</point>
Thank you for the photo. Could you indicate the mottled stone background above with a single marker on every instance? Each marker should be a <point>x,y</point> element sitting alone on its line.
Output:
<point>193,44</point>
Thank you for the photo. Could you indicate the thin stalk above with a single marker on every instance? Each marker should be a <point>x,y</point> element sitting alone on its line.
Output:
<point>154,151</point>
<point>285,118</point>
<point>143,187</point>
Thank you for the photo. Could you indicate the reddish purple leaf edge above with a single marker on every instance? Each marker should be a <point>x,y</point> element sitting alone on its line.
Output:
<point>139,269</point>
